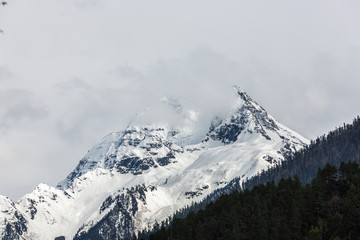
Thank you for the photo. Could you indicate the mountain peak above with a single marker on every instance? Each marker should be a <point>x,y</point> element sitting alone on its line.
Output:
<point>241,93</point>
<point>141,147</point>
<point>151,169</point>
<point>245,117</point>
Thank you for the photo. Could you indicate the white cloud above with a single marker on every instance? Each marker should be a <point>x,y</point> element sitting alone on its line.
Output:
<point>5,74</point>
<point>19,107</point>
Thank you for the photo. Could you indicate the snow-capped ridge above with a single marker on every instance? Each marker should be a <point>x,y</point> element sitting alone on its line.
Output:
<point>139,147</point>
<point>136,150</point>
<point>242,93</point>
<point>245,117</point>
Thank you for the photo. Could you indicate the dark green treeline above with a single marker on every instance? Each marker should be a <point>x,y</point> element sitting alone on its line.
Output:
<point>340,145</point>
<point>328,208</point>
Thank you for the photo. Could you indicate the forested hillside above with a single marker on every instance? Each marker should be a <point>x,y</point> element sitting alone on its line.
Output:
<point>273,208</point>
<point>328,208</point>
<point>340,145</point>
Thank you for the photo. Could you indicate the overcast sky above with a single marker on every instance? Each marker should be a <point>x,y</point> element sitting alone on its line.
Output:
<point>72,71</point>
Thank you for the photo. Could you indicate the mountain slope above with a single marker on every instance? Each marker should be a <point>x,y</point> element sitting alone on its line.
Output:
<point>137,177</point>
<point>340,145</point>
<point>12,222</point>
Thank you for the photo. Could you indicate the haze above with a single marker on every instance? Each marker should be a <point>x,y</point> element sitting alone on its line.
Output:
<point>73,71</point>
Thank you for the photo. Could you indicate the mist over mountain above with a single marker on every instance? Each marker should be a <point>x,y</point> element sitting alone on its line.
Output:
<point>142,175</point>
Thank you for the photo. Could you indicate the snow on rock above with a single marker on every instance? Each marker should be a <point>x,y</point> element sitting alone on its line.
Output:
<point>12,222</point>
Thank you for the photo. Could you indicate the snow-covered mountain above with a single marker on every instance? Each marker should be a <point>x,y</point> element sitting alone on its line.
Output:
<point>145,173</point>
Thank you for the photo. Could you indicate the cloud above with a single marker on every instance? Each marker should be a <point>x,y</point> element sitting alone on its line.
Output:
<point>92,109</point>
<point>86,4</point>
<point>93,65</point>
<point>5,74</point>
<point>202,81</point>
<point>20,107</point>
<point>73,85</point>
<point>83,111</point>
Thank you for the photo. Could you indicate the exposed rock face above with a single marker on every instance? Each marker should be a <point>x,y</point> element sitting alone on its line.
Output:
<point>118,221</point>
<point>246,115</point>
<point>60,238</point>
<point>12,222</point>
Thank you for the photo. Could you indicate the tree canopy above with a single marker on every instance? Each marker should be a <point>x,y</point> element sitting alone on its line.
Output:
<point>328,208</point>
